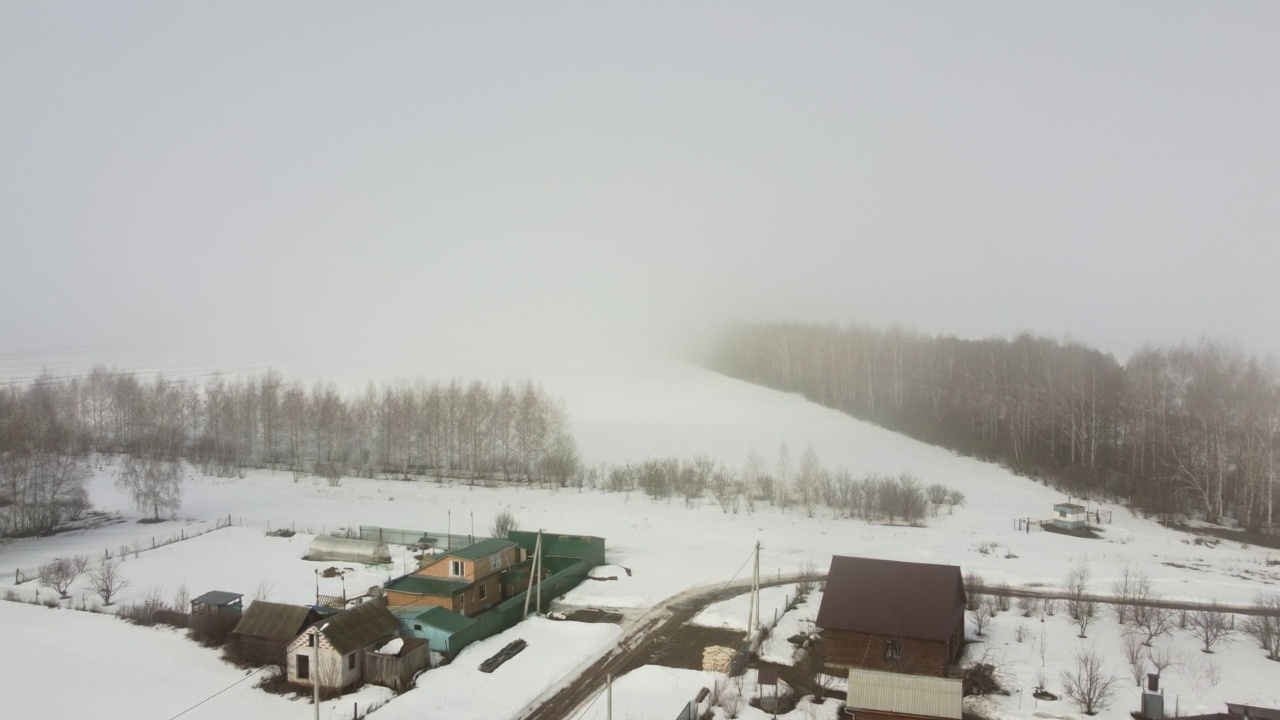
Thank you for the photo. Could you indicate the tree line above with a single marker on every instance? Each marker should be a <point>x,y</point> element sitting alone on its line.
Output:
<point>50,427</point>
<point>1191,428</point>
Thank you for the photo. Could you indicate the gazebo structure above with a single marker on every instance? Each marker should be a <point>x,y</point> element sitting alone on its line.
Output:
<point>217,602</point>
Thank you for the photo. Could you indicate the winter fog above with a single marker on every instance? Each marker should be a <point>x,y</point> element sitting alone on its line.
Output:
<point>226,185</point>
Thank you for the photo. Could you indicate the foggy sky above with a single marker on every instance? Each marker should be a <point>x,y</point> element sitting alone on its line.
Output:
<point>489,174</point>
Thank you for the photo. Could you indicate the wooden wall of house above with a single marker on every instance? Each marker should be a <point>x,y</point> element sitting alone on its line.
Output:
<point>471,568</point>
<point>846,649</point>
<point>397,598</point>
<point>262,651</point>
<point>469,601</point>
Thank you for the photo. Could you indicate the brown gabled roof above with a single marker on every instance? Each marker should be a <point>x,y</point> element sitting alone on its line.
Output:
<point>274,621</point>
<point>887,597</point>
<point>361,626</point>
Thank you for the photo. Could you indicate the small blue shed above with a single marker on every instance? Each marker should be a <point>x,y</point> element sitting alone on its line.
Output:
<point>447,631</point>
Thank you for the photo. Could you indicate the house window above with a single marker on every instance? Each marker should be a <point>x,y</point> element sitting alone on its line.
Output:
<point>351,661</point>
<point>311,640</point>
<point>893,649</point>
<point>417,626</point>
<point>304,667</point>
<point>483,592</point>
<point>456,568</point>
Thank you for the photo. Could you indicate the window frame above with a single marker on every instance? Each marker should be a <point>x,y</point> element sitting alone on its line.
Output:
<point>893,649</point>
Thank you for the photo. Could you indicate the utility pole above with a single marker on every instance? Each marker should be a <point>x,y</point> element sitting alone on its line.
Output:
<point>533,575</point>
<point>753,609</point>
<point>755,588</point>
<point>315,672</point>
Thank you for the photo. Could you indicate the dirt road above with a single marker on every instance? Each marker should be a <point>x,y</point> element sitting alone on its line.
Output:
<point>641,635</point>
<point>1058,594</point>
<point>638,640</point>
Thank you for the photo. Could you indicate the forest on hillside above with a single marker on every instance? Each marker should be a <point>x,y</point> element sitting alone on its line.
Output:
<point>50,427</point>
<point>1192,428</point>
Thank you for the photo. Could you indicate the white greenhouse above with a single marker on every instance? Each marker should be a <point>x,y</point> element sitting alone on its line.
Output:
<point>336,549</point>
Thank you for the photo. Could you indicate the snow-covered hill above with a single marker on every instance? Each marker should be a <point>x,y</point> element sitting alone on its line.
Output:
<point>634,408</point>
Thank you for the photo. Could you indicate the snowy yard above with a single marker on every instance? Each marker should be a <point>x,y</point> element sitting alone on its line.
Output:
<point>131,671</point>
<point>557,650</point>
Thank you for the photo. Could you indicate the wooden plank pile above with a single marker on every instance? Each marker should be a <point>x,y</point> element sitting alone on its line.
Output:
<point>512,649</point>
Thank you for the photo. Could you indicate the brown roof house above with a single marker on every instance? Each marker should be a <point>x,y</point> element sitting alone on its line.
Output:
<point>266,629</point>
<point>467,581</point>
<point>892,616</point>
<point>333,648</point>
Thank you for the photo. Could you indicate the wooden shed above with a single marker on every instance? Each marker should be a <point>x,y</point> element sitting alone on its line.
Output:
<point>219,602</point>
<point>265,630</point>
<point>215,613</point>
<point>394,664</point>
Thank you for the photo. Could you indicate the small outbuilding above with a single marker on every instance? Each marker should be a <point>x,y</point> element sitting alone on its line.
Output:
<point>218,602</point>
<point>327,548</point>
<point>879,695</point>
<point>448,632</point>
<point>332,649</point>
<point>394,664</point>
<point>1070,516</point>
<point>265,630</point>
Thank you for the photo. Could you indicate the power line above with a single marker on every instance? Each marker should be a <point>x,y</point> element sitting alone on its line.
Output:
<point>744,564</point>
<point>193,707</point>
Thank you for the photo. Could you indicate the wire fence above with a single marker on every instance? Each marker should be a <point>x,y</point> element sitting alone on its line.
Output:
<point>279,526</point>
<point>141,545</point>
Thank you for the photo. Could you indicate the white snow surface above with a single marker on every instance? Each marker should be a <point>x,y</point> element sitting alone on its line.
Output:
<point>628,409</point>
<point>556,650</point>
<point>126,671</point>
<point>392,647</point>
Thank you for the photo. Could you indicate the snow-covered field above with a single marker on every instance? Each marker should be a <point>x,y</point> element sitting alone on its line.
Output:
<point>68,664</point>
<point>624,410</point>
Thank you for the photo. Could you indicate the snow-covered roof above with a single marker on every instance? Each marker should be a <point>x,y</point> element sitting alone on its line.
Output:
<point>931,697</point>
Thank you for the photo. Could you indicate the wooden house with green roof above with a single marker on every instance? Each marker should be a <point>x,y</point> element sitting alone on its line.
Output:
<point>466,581</point>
